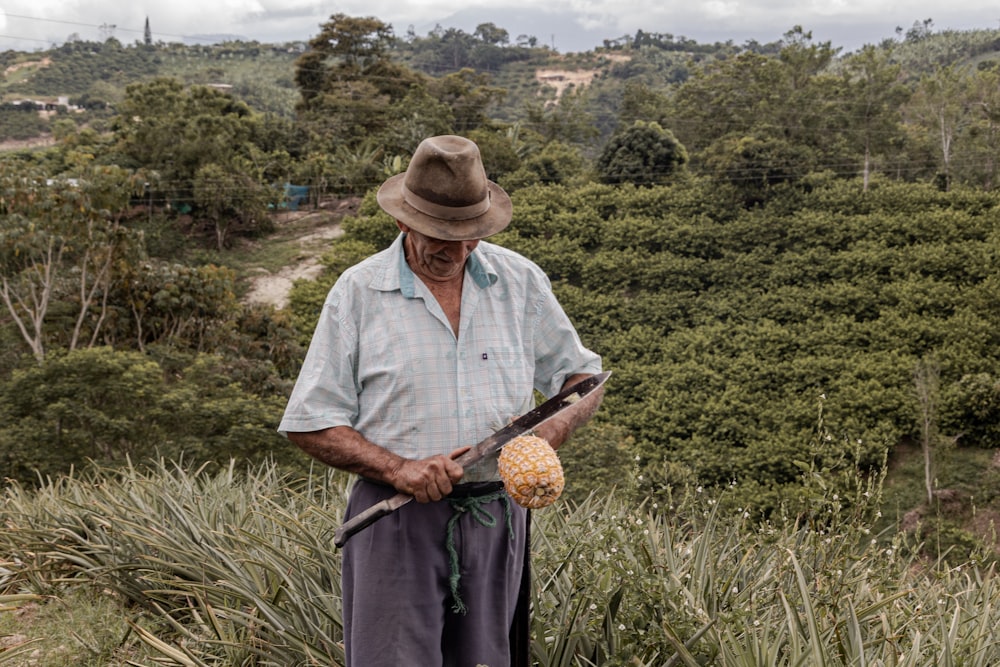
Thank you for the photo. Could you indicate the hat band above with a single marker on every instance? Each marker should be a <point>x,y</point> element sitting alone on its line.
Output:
<point>446,212</point>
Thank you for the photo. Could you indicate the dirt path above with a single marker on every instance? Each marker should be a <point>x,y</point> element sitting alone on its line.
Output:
<point>311,231</point>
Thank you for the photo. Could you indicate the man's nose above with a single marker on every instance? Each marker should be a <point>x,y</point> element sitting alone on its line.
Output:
<point>456,249</point>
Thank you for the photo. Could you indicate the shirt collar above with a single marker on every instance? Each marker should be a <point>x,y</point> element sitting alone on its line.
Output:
<point>399,275</point>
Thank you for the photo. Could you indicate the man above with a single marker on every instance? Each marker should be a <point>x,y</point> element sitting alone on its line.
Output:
<point>422,350</point>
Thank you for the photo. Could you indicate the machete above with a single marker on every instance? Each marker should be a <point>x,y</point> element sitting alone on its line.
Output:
<point>561,402</point>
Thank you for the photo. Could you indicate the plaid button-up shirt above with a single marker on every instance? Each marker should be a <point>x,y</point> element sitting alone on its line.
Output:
<point>385,361</point>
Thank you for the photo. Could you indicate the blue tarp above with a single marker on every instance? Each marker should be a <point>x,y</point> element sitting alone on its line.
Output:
<point>295,195</point>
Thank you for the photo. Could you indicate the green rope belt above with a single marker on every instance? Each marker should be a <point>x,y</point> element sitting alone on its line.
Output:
<point>474,506</point>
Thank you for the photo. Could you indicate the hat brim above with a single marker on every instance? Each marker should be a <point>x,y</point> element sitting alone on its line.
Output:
<point>496,219</point>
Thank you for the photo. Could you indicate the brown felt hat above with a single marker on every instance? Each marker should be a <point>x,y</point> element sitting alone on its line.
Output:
<point>444,192</point>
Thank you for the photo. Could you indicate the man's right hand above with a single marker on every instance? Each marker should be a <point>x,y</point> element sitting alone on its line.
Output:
<point>428,479</point>
<point>344,448</point>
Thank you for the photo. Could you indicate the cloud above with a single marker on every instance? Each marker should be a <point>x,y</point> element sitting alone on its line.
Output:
<point>37,24</point>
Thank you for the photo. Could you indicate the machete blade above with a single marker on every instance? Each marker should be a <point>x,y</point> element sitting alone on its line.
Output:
<point>530,420</point>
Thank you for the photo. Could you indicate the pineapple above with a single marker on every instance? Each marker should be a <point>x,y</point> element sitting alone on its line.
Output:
<point>531,471</point>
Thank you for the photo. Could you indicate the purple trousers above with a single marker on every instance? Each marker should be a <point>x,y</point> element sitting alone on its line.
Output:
<point>397,582</point>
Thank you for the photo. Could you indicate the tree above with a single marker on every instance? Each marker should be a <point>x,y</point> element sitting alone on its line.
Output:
<point>983,133</point>
<point>164,126</point>
<point>554,163</point>
<point>180,131</point>
<point>874,95</point>
<point>644,154</point>
<point>971,410</point>
<point>445,50</point>
<point>809,113</point>
<point>640,102</point>
<point>468,95</point>
<point>89,404</point>
<point>566,120</point>
<point>727,97</point>
<point>63,242</point>
<point>147,35</point>
<point>181,306</point>
<point>790,98</point>
<point>927,382</point>
<point>489,33</point>
<point>345,48</point>
<point>230,199</point>
<point>939,107</point>
<point>351,89</point>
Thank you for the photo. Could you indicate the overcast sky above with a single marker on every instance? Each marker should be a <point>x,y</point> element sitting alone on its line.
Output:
<point>30,25</point>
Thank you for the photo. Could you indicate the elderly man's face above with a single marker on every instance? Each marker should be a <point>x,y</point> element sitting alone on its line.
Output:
<point>433,259</point>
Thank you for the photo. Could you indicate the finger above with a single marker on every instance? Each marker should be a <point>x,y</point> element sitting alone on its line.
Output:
<point>420,495</point>
<point>434,492</point>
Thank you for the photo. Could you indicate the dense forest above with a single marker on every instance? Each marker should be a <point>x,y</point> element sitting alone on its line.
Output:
<point>784,252</point>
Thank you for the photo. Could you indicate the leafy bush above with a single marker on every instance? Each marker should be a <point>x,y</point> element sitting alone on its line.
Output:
<point>17,123</point>
<point>972,410</point>
<point>102,405</point>
<point>643,154</point>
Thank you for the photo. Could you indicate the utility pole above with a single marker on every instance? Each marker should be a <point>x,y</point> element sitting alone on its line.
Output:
<point>107,31</point>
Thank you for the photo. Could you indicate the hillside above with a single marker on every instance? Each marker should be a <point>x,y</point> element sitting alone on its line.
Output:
<point>743,235</point>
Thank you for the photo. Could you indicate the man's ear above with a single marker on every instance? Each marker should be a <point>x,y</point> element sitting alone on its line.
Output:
<point>403,227</point>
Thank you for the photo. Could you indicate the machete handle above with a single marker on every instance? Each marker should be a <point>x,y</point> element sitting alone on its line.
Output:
<point>380,509</point>
<point>368,517</point>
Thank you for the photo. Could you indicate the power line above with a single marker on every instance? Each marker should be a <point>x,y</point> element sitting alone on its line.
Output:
<point>99,27</point>
<point>34,18</point>
<point>26,39</point>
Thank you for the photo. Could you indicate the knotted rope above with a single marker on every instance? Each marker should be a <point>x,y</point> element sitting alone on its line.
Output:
<point>472,505</point>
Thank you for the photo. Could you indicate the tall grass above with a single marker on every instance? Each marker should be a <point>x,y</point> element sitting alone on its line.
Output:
<point>239,569</point>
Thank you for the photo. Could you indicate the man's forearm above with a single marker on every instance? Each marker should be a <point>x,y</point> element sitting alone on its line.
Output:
<point>344,448</point>
<point>559,429</point>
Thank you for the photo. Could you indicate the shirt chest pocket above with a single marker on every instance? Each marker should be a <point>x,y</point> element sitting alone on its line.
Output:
<point>511,374</point>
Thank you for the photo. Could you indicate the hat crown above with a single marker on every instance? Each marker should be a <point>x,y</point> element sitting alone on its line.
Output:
<point>447,171</point>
